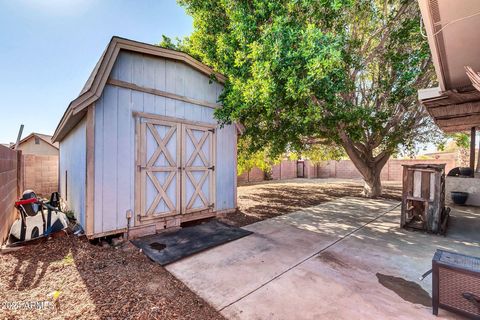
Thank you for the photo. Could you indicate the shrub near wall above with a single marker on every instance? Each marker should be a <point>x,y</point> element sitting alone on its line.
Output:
<point>9,180</point>
<point>287,169</point>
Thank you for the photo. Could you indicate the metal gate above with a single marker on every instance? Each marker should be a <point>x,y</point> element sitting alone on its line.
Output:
<point>300,169</point>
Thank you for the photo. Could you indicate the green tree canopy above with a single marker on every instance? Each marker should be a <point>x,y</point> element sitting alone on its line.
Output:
<point>340,72</point>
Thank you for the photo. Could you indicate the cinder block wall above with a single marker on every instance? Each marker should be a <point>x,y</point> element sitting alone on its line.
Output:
<point>254,175</point>
<point>326,169</point>
<point>287,169</point>
<point>346,170</point>
<point>392,171</point>
<point>10,178</point>
<point>311,170</point>
<point>343,169</point>
<point>41,174</point>
<point>243,177</point>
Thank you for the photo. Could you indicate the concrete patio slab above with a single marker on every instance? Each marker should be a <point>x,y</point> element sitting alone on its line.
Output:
<point>326,288</point>
<point>229,272</point>
<point>388,249</point>
<point>336,218</point>
<point>324,262</point>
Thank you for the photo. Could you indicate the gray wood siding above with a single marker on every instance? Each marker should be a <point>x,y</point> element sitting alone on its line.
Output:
<point>73,164</point>
<point>166,75</point>
<point>115,131</point>
<point>226,178</point>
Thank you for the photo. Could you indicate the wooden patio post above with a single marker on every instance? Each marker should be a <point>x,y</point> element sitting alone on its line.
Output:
<point>472,148</point>
<point>478,158</point>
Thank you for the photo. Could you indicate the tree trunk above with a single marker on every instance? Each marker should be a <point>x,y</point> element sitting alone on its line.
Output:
<point>369,166</point>
<point>373,185</point>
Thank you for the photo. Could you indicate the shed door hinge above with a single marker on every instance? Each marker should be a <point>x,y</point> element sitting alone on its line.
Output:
<point>211,168</point>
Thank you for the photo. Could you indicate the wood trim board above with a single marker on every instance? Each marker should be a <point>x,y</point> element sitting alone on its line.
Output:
<point>213,173</point>
<point>235,178</point>
<point>90,178</point>
<point>153,116</point>
<point>161,93</point>
<point>137,207</point>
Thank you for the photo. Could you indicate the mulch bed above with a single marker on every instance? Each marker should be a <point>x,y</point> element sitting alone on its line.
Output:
<point>94,282</point>
<point>267,200</point>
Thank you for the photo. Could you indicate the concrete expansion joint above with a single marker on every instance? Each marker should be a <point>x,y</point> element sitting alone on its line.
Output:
<point>312,255</point>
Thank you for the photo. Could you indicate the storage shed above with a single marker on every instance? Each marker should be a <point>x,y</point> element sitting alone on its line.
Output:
<point>140,147</point>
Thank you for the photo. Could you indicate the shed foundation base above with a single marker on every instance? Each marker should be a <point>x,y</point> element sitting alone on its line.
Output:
<point>167,223</point>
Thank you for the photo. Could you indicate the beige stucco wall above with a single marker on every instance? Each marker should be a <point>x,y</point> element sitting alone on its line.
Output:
<point>45,149</point>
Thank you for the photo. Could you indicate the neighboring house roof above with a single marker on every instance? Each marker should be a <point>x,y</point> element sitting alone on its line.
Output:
<point>44,137</point>
<point>453,30</point>
<point>96,82</point>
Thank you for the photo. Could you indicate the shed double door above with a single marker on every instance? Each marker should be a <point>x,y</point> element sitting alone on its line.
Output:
<point>176,166</point>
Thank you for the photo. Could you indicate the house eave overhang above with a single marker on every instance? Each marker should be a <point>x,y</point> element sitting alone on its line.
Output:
<point>453,30</point>
<point>454,111</point>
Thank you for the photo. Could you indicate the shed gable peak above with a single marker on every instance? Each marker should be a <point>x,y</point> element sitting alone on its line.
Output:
<point>98,79</point>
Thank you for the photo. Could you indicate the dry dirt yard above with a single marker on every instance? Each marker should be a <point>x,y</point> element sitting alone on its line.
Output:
<point>95,282</point>
<point>266,200</point>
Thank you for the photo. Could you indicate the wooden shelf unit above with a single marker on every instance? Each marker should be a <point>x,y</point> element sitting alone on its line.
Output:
<point>423,197</point>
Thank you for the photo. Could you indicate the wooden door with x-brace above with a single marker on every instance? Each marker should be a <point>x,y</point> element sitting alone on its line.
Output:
<point>175,163</point>
<point>198,165</point>
<point>158,161</point>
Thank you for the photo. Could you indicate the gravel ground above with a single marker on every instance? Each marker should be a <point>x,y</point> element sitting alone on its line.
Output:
<point>262,201</point>
<point>95,282</point>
